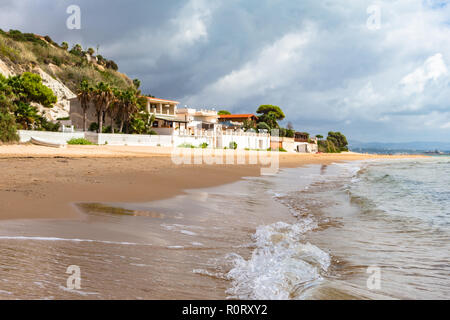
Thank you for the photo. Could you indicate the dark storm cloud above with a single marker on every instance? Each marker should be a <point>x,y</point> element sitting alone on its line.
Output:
<point>318,60</point>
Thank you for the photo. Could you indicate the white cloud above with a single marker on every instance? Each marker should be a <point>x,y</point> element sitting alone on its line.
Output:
<point>276,66</point>
<point>433,69</point>
<point>445,125</point>
<point>191,23</point>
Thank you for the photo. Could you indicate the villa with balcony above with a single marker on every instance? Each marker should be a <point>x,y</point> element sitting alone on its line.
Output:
<point>198,119</point>
<point>165,111</point>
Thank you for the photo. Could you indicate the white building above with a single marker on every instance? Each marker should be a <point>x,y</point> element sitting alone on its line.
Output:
<point>199,119</point>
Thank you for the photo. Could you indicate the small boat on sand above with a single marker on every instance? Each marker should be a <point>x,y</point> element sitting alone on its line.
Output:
<point>47,144</point>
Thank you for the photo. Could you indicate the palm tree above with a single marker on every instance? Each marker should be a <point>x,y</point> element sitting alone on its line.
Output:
<point>130,106</point>
<point>103,96</point>
<point>115,107</point>
<point>26,115</point>
<point>84,95</point>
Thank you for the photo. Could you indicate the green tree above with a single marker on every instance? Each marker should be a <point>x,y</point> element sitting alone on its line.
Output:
<point>289,133</point>
<point>270,115</point>
<point>65,46</point>
<point>28,88</point>
<point>263,126</point>
<point>137,83</point>
<point>327,146</point>
<point>128,105</point>
<point>338,140</point>
<point>248,125</point>
<point>91,51</point>
<point>26,115</point>
<point>77,50</point>
<point>103,96</point>
<point>8,128</point>
<point>223,113</point>
<point>84,95</point>
<point>16,95</point>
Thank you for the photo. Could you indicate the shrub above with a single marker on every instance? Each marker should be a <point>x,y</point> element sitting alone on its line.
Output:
<point>326,146</point>
<point>79,141</point>
<point>279,150</point>
<point>338,140</point>
<point>112,65</point>
<point>29,87</point>
<point>233,145</point>
<point>45,125</point>
<point>8,128</point>
<point>186,145</point>
<point>204,145</point>
<point>93,127</point>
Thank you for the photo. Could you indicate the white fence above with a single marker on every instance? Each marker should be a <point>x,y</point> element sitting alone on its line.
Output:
<point>130,139</point>
<point>243,140</point>
<point>54,137</point>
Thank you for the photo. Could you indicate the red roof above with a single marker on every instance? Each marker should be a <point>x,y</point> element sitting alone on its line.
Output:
<point>236,116</point>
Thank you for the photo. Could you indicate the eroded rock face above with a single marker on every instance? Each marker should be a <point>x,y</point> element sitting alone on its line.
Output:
<point>4,70</point>
<point>62,107</point>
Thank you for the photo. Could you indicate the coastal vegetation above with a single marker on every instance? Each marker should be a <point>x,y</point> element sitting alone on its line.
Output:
<point>26,51</point>
<point>268,117</point>
<point>79,141</point>
<point>17,96</point>
<point>336,142</point>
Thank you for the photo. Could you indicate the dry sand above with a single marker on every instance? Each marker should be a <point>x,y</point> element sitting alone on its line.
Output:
<point>43,183</point>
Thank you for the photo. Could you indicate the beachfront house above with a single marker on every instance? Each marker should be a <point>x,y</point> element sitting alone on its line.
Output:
<point>165,112</point>
<point>236,121</point>
<point>198,120</point>
<point>304,144</point>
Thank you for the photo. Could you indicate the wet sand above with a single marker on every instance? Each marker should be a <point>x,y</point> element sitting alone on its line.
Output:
<point>43,183</point>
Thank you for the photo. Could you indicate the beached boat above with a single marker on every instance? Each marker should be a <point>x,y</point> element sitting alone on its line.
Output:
<point>47,144</point>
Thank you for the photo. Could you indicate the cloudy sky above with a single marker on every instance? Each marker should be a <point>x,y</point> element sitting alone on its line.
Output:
<point>375,70</point>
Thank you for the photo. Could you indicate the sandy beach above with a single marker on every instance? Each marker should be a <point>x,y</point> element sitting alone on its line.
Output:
<point>42,183</point>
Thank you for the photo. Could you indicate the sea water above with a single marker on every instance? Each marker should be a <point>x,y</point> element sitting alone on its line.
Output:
<point>315,232</point>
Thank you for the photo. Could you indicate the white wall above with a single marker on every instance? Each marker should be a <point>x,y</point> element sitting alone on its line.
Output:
<point>54,137</point>
<point>196,141</point>
<point>131,140</point>
<point>244,140</point>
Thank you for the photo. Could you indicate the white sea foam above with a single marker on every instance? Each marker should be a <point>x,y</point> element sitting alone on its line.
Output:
<point>80,292</point>
<point>5,292</point>
<point>175,247</point>
<point>280,267</point>
<point>189,233</point>
<point>181,229</point>
<point>204,272</point>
